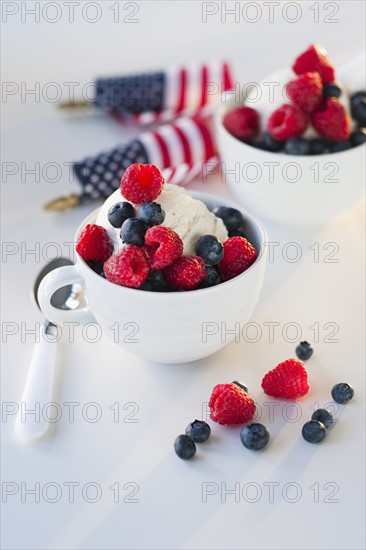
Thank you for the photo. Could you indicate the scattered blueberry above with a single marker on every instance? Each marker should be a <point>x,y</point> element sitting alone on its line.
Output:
<point>199,431</point>
<point>358,108</point>
<point>96,267</point>
<point>331,90</point>
<point>304,351</point>
<point>119,213</point>
<point>212,278</point>
<point>241,385</point>
<point>342,393</point>
<point>318,146</point>
<point>151,213</point>
<point>340,146</point>
<point>133,232</point>
<point>184,447</point>
<point>314,431</point>
<point>323,416</point>
<point>271,143</point>
<point>232,218</point>
<point>209,249</point>
<point>358,137</point>
<point>254,436</point>
<point>297,146</point>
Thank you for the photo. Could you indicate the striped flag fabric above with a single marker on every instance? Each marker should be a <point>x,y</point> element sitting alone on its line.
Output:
<point>162,96</point>
<point>180,149</point>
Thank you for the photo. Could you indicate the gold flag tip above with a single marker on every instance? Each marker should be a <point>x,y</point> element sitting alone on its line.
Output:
<point>62,203</point>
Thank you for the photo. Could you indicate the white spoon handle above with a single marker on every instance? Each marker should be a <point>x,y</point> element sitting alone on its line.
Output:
<point>32,419</point>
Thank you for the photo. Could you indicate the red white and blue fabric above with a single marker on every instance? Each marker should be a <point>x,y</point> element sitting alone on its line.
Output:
<point>180,149</point>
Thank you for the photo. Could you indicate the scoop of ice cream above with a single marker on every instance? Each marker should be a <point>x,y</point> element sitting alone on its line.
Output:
<point>188,217</point>
<point>270,94</point>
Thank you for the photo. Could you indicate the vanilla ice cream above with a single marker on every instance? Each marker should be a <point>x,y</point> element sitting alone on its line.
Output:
<point>188,217</point>
<point>270,94</point>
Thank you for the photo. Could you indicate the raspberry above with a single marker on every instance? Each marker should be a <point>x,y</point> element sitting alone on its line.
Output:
<point>230,404</point>
<point>94,243</point>
<point>186,273</point>
<point>141,183</point>
<point>306,91</point>
<point>315,59</point>
<point>242,123</point>
<point>287,121</point>
<point>239,254</point>
<point>130,267</point>
<point>289,380</point>
<point>331,120</point>
<point>163,246</point>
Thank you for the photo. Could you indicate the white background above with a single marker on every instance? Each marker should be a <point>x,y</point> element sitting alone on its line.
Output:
<point>171,511</point>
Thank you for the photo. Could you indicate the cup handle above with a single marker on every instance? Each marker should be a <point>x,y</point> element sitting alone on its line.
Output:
<point>60,277</point>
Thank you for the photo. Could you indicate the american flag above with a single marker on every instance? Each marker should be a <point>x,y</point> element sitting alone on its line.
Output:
<point>162,96</point>
<point>181,149</point>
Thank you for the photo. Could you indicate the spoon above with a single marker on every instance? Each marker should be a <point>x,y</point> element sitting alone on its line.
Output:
<point>38,387</point>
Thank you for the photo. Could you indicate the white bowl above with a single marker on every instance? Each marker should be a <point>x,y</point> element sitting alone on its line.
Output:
<point>171,327</point>
<point>289,189</point>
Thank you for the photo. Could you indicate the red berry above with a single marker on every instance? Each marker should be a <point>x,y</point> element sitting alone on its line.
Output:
<point>287,121</point>
<point>163,246</point>
<point>306,91</point>
<point>239,254</point>
<point>331,120</point>
<point>315,59</point>
<point>141,183</point>
<point>289,380</point>
<point>94,243</point>
<point>130,267</point>
<point>242,123</point>
<point>230,404</point>
<point>186,273</point>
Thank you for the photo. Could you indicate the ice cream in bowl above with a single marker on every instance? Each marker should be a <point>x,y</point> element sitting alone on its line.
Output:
<point>293,145</point>
<point>176,274</point>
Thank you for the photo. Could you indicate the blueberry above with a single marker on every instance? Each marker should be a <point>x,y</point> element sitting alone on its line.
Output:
<point>271,143</point>
<point>151,213</point>
<point>358,137</point>
<point>241,385</point>
<point>133,232</point>
<point>254,436</point>
<point>237,233</point>
<point>212,278</point>
<point>323,416</point>
<point>184,447</point>
<point>342,393</point>
<point>261,145</point>
<point>210,249</point>
<point>119,213</point>
<point>156,279</point>
<point>297,146</point>
<point>313,431</point>
<point>318,146</point>
<point>232,218</point>
<point>304,351</point>
<point>199,431</point>
<point>358,109</point>
<point>340,146</point>
<point>331,90</point>
<point>96,267</point>
<point>357,96</point>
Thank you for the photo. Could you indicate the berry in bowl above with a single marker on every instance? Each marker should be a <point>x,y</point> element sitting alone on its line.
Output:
<point>185,269</point>
<point>294,151</point>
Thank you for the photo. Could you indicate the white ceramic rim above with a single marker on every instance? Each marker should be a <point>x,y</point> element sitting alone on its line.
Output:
<point>196,195</point>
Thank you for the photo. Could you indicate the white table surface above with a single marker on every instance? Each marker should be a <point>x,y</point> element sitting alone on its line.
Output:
<point>323,505</point>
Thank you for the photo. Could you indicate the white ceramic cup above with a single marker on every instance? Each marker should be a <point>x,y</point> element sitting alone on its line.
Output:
<point>298,190</point>
<point>164,327</point>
